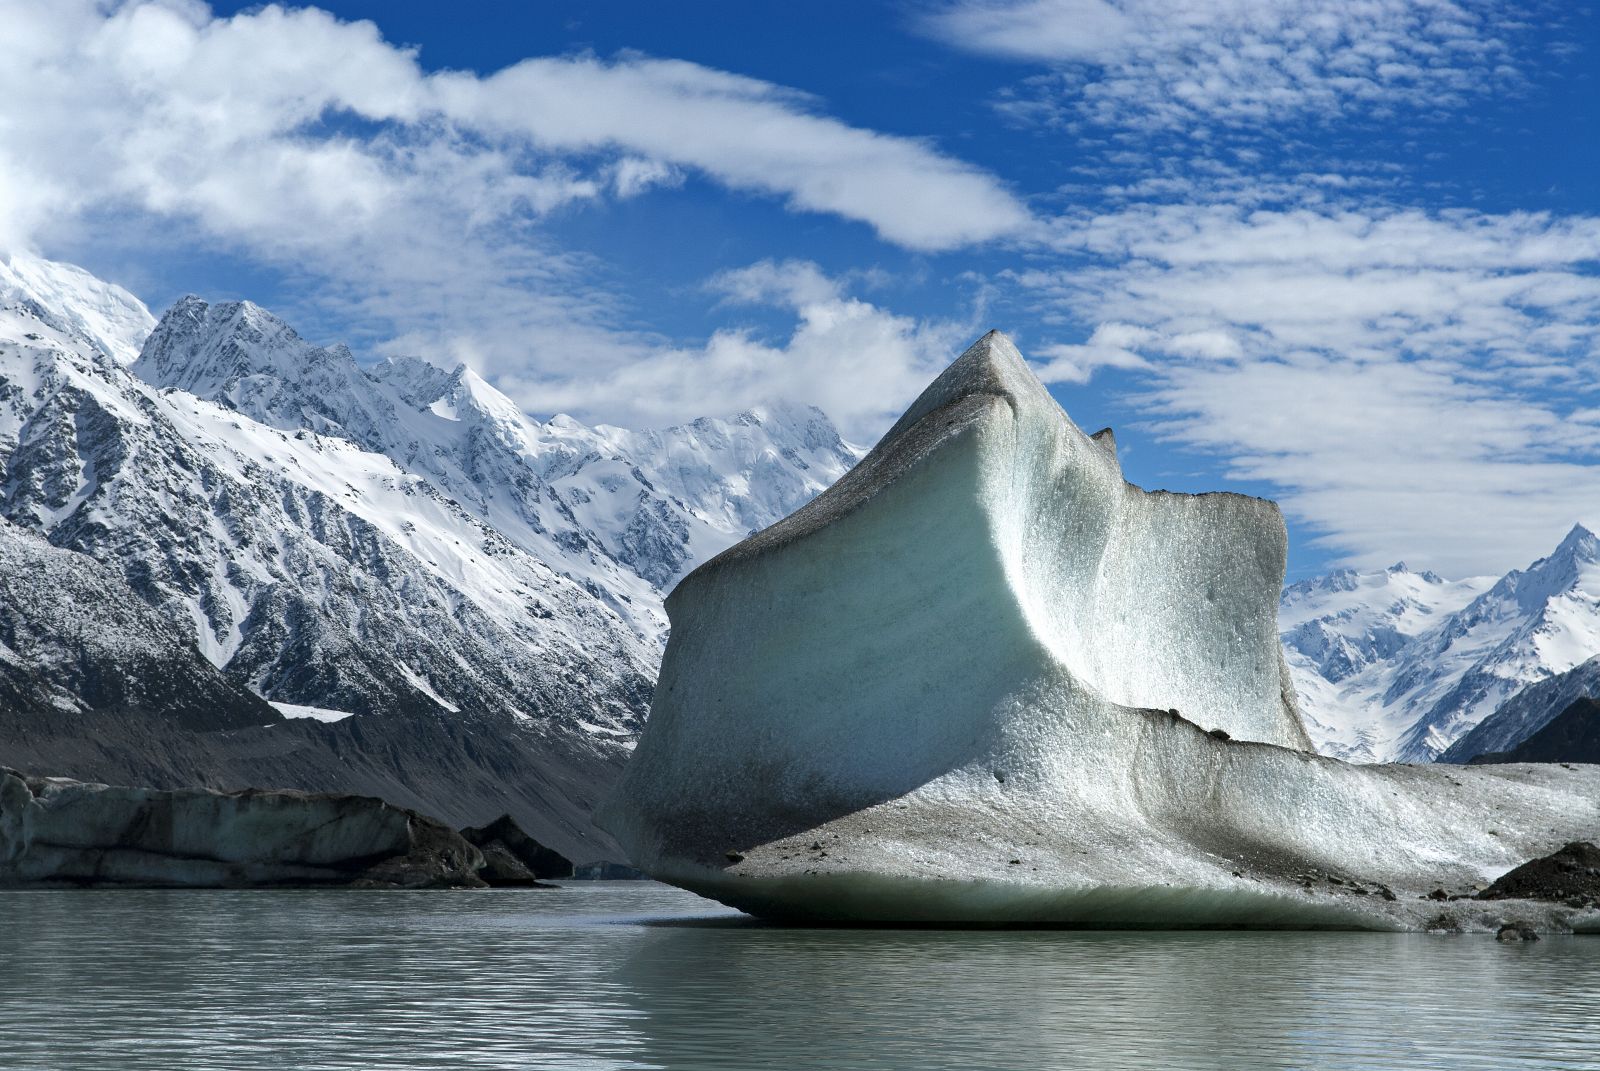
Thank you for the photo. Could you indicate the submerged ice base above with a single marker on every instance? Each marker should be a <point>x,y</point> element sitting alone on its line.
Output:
<point>983,679</point>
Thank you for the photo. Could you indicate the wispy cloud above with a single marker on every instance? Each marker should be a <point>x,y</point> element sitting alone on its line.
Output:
<point>1184,64</point>
<point>413,203</point>
<point>1415,383</point>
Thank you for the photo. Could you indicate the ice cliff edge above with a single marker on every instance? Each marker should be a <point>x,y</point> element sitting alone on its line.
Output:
<point>984,679</point>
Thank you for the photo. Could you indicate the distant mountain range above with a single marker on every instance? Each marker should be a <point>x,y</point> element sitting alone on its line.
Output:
<point>1400,666</point>
<point>450,604</point>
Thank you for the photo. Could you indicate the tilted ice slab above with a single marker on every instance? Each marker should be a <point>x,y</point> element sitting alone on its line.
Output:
<point>983,679</point>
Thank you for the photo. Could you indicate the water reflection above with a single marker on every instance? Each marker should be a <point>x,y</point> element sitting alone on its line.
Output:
<point>942,999</point>
<point>589,978</point>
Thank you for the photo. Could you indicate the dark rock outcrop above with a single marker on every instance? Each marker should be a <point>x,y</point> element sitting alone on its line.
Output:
<point>502,870</point>
<point>1571,736</point>
<point>513,857</point>
<point>1570,876</point>
<point>1525,713</point>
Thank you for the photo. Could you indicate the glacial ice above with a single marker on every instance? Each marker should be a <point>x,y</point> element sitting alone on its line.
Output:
<point>56,831</point>
<point>983,679</point>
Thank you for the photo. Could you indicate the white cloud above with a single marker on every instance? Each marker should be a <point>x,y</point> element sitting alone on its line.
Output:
<point>860,363</point>
<point>1041,30</point>
<point>410,203</point>
<point>1417,385</point>
<point>1122,345</point>
<point>1182,63</point>
<point>633,175</point>
<point>789,283</point>
<point>1112,345</point>
<point>745,133</point>
<point>194,114</point>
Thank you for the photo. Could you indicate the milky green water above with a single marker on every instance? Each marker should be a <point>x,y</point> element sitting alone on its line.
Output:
<point>636,975</point>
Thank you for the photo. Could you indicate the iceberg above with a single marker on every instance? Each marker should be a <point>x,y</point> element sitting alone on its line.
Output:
<point>983,679</point>
<point>58,832</point>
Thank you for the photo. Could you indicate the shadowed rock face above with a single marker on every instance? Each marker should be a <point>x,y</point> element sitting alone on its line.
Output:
<point>56,832</point>
<point>984,679</point>
<point>504,837</point>
<point>74,639</point>
<point>1571,736</point>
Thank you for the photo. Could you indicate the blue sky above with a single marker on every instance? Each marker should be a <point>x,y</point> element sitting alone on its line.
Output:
<point>1341,253</point>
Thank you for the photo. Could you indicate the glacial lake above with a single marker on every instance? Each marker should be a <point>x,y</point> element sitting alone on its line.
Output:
<point>602,976</point>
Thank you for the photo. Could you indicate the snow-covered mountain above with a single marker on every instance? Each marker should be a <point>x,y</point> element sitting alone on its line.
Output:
<point>1399,665</point>
<point>1339,630</point>
<point>483,591</point>
<point>72,302</point>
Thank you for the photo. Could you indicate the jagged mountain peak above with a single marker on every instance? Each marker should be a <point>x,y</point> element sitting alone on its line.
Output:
<point>193,313</point>
<point>469,390</point>
<point>1573,566</point>
<point>784,424</point>
<point>1343,579</point>
<point>417,380</point>
<point>1427,576</point>
<point>207,348</point>
<point>243,356</point>
<point>1579,545</point>
<point>550,481</point>
<point>1578,548</point>
<point>456,394</point>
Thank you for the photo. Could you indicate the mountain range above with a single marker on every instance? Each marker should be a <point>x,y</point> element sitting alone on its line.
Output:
<point>448,603</point>
<point>1400,665</point>
<point>235,557</point>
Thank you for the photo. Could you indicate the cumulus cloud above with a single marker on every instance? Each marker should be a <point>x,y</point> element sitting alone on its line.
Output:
<point>411,202</point>
<point>1417,384</point>
<point>1182,63</point>
<point>860,363</point>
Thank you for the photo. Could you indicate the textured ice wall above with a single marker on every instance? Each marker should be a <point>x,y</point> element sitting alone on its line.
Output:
<point>945,691</point>
<point>55,831</point>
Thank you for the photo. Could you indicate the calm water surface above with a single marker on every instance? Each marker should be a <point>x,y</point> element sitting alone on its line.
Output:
<point>636,975</point>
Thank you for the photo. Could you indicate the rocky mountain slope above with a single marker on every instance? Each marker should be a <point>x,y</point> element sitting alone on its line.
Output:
<point>1527,713</point>
<point>481,591</point>
<point>1572,735</point>
<point>1399,665</point>
<point>74,640</point>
